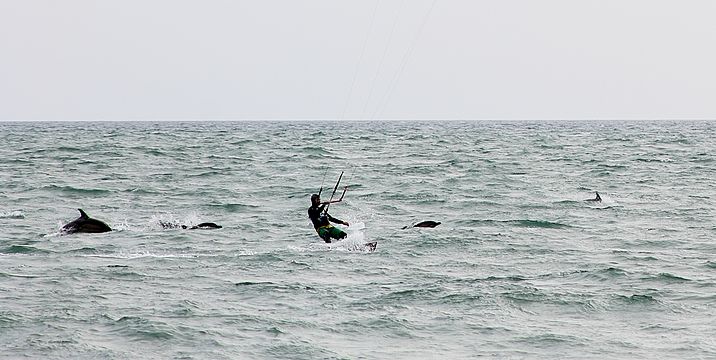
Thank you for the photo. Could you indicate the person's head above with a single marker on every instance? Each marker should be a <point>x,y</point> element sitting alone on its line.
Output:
<point>315,199</point>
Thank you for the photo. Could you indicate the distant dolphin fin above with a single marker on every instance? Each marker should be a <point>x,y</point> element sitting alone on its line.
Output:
<point>82,214</point>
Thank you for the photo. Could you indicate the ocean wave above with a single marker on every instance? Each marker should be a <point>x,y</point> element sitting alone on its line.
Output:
<point>637,299</point>
<point>143,329</point>
<point>148,254</point>
<point>74,190</point>
<point>702,160</point>
<point>9,275</point>
<point>8,319</point>
<point>152,151</point>
<point>23,249</point>
<point>667,278</point>
<point>242,142</point>
<point>612,272</point>
<point>253,283</point>
<point>567,202</point>
<point>140,191</point>
<point>16,161</point>
<point>84,250</point>
<point>651,160</point>
<point>293,350</point>
<point>505,278</point>
<point>407,295</point>
<point>314,150</point>
<point>235,207</point>
<point>526,295</point>
<point>71,149</point>
<point>539,224</point>
<point>600,274</point>
<point>207,174</point>
<point>268,285</point>
<point>125,273</point>
<point>461,298</point>
<point>551,339</point>
<point>517,223</point>
<point>17,214</point>
<point>614,166</point>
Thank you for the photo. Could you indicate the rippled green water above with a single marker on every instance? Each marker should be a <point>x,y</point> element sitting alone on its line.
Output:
<point>521,267</point>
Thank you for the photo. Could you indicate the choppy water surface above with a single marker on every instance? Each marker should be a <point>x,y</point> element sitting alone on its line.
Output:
<point>521,267</point>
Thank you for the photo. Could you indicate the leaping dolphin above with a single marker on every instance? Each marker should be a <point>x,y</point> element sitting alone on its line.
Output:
<point>85,224</point>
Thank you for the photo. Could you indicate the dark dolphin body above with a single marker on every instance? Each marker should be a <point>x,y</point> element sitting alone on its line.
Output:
<point>596,199</point>
<point>204,225</point>
<point>425,224</point>
<point>85,224</point>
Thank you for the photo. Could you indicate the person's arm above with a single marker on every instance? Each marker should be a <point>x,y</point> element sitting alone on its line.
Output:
<point>337,221</point>
<point>331,202</point>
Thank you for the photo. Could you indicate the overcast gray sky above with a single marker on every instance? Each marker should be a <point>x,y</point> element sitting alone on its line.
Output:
<point>357,59</point>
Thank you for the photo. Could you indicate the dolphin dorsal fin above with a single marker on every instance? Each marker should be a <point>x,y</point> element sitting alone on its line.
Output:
<point>82,214</point>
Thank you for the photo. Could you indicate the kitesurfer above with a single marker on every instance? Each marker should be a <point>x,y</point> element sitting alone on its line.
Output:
<point>322,220</point>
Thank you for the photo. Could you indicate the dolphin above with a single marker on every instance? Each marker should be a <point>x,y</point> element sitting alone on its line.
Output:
<point>425,224</point>
<point>85,224</point>
<point>204,225</point>
<point>596,199</point>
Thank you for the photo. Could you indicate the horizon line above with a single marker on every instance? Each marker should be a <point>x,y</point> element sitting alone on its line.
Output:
<point>350,120</point>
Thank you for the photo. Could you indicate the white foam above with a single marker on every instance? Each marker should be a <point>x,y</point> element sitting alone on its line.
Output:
<point>355,241</point>
<point>157,220</point>
<point>17,214</point>
<point>143,254</point>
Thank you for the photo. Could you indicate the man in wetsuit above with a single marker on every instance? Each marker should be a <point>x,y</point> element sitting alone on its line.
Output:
<point>322,221</point>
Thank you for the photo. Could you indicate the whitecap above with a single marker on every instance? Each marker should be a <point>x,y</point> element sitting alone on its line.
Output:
<point>16,214</point>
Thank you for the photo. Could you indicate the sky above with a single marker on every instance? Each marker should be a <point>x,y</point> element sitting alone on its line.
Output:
<point>357,59</point>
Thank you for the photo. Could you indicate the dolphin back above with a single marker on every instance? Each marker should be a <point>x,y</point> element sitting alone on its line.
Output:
<point>85,224</point>
<point>93,226</point>
<point>427,224</point>
<point>207,225</point>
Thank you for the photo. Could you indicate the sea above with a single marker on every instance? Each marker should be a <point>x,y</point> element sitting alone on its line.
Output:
<point>522,266</point>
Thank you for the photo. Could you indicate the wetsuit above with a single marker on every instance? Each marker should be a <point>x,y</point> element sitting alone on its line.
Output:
<point>322,225</point>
